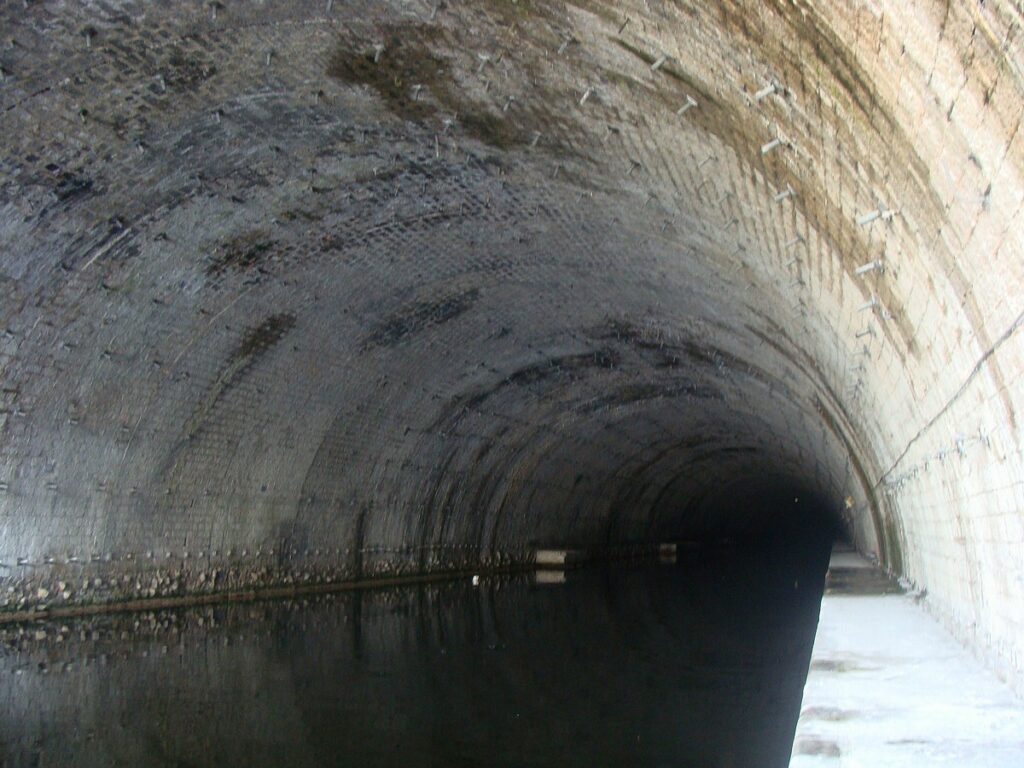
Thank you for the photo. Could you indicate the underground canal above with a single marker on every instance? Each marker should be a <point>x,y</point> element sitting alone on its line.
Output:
<point>699,661</point>
<point>360,363</point>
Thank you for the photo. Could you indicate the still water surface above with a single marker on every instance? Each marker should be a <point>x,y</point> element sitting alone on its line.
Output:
<point>698,663</point>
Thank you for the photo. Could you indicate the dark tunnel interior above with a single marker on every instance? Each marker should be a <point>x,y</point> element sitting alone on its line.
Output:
<point>310,296</point>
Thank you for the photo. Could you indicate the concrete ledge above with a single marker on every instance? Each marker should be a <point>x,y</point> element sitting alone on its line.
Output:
<point>559,558</point>
<point>572,558</point>
<point>889,686</point>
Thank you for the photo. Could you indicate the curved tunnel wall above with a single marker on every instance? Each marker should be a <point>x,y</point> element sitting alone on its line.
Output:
<point>302,291</point>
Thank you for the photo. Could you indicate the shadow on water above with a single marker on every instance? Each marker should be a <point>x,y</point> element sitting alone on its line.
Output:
<point>701,662</point>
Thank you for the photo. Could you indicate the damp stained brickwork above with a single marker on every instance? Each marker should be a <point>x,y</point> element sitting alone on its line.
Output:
<point>257,341</point>
<point>417,317</point>
<point>242,253</point>
<point>417,84</point>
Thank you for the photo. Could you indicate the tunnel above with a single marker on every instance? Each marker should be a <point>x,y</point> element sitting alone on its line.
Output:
<point>305,293</point>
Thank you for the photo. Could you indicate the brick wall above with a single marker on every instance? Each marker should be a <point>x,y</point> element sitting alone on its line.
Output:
<point>304,291</point>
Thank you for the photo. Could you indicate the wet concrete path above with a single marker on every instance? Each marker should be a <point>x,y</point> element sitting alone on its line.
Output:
<point>888,686</point>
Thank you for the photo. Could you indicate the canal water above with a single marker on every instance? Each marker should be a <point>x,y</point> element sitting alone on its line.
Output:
<point>700,662</point>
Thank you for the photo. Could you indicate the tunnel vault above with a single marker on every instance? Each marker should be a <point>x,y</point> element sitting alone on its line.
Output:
<point>302,292</point>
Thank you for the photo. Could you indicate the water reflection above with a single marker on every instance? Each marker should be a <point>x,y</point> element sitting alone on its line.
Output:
<point>699,663</point>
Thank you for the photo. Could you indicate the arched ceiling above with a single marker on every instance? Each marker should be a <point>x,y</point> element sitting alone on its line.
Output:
<point>302,291</point>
